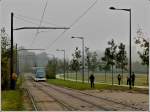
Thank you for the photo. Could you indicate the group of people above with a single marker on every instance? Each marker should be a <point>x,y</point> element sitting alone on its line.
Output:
<point>130,80</point>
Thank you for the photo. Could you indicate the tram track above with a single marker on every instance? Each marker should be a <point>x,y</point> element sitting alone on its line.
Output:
<point>82,100</point>
<point>101,98</point>
<point>107,99</point>
<point>35,107</point>
<point>72,93</point>
<point>63,104</point>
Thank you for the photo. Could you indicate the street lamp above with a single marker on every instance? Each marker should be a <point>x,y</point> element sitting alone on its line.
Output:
<point>82,38</point>
<point>63,50</point>
<point>130,69</point>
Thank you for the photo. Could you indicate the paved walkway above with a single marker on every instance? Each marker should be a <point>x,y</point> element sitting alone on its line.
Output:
<point>144,87</point>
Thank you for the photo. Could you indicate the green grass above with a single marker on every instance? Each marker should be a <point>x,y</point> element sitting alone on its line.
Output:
<point>12,100</point>
<point>86,86</point>
<point>140,79</point>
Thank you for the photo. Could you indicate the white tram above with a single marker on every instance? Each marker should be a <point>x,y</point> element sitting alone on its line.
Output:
<point>39,73</point>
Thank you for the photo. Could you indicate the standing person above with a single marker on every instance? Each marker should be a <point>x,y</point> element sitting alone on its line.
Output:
<point>14,79</point>
<point>128,79</point>
<point>119,79</point>
<point>133,78</point>
<point>92,78</point>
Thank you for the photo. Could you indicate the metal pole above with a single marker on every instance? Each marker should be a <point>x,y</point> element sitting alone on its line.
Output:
<point>18,64</point>
<point>64,65</point>
<point>16,61</point>
<point>83,60</point>
<point>130,64</point>
<point>11,52</point>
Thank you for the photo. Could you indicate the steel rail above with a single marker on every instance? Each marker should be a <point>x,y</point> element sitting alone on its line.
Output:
<point>98,106</point>
<point>64,105</point>
<point>32,100</point>
<point>100,98</point>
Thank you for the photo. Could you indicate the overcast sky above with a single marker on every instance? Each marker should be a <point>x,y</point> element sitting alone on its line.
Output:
<point>97,27</point>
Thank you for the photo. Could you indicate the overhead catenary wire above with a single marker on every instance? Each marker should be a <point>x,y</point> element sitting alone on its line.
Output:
<point>76,20</point>
<point>25,20</point>
<point>19,16</point>
<point>37,31</point>
<point>43,15</point>
<point>28,21</point>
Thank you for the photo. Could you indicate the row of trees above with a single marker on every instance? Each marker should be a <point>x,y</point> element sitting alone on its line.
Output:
<point>111,58</point>
<point>115,57</point>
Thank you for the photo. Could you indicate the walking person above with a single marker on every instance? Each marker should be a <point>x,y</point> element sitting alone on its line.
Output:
<point>128,79</point>
<point>119,79</point>
<point>92,78</point>
<point>133,79</point>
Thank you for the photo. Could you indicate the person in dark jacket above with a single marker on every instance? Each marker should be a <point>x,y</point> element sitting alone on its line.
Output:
<point>128,79</point>
<point>119,79</point>
<point>92,78</point>
<point>132,78</point>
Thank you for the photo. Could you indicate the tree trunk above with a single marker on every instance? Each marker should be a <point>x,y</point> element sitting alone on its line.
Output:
<point>76,76</point>
<point>147,73</point>
<point>67,72</point>
<point>116,69</point>
<point>112,76</point>
<point>88,75</point>
<point>122,75</point>
<point>105,76</point>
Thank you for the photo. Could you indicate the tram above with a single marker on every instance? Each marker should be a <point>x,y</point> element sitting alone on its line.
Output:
<point>39,73</point>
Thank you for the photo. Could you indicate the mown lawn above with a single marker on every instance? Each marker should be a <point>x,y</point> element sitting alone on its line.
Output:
<point>140,79</point>
<point>86,86</point>
<point>11,100</point>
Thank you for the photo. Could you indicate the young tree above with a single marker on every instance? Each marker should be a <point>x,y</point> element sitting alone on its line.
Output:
<point>60,65</point>
<point>67,67</point>
<point>87,60</point>
<point>93,62</point>
<point>110,55</point>
<point>4,59</point>
<point>75,62</point>
<point>121,58</point>
<point>144,45</point>
<point>105,62</point>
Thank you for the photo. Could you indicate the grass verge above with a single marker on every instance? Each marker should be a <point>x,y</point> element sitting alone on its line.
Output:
<point>12,100</point>
<point>86,86</point>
